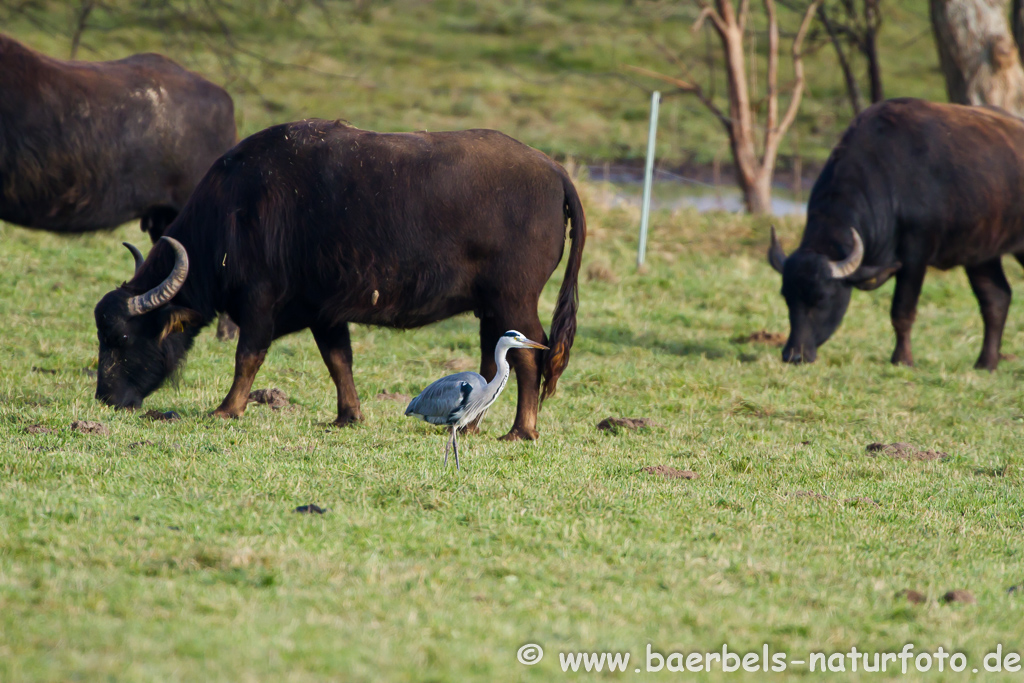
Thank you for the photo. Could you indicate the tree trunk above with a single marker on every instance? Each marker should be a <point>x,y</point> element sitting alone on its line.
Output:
<point>759,195</point>
<point>872,20</point>
<point>978,54</point>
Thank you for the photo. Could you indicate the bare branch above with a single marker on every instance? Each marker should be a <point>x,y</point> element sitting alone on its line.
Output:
<point>773,72</point>
<point>678,82</point>
<point>669,54</point>
<point>685,87</point>
<point>772,148</point>
<point>708,12</point>
<point>682,66</point>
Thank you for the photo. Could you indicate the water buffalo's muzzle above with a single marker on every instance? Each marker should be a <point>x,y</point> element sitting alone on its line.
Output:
<point>129,400</point>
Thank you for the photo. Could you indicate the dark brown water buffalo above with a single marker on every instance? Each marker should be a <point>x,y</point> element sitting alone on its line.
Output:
<point>317,224</point>
<point>911,184</point>
<point>91,145</point>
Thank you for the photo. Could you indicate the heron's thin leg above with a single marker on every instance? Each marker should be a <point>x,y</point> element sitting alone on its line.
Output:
<point>455,445</point>
<point>447,447</point>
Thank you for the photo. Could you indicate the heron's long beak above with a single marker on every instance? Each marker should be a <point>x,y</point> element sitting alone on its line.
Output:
<point>534,345</point>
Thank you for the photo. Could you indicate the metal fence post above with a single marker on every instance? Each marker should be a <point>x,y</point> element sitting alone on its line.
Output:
<point>645,211</point>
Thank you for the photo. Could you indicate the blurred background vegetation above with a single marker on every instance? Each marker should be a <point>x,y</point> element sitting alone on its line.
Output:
<point>550,73</point>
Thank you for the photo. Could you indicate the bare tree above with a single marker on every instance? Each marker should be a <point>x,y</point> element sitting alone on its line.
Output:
<point>978,54</point>
<point>755,164</point>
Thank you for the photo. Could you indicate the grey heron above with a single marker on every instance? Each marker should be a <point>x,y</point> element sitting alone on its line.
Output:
<point>457,400</point>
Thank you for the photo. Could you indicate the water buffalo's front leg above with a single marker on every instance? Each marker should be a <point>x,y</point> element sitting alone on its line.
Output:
<point>993,291</point>
<point>336,349</point>
<point>904,310</point>
<point>252,349</point>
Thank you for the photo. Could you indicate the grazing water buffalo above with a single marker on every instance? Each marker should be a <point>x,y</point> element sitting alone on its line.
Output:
<point>911,184</point>
<point>317,224</point>
<point>91,145</point>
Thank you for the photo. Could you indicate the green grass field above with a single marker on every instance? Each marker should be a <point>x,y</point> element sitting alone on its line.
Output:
<point>170,551</point>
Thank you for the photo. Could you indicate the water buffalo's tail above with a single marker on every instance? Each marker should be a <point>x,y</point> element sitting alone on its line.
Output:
<point>563,324</point>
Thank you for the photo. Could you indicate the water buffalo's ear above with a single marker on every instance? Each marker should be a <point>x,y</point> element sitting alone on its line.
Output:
<point>176,319</point>
<point>872,277</point>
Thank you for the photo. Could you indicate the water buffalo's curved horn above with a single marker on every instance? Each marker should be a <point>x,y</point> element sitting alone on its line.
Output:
<point>165,291</point>
<point>776,257</point>
<point>136,254</point>
<point>851,263</point>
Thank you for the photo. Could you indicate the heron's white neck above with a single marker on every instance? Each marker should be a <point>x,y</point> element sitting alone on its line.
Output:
<point>495,386</point>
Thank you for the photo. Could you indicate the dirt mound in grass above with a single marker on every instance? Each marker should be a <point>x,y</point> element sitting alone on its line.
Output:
<point>912,596</point>
<point>670,472</point>
<point>761,337</point>
<point>39,429</point>
<point>959,595</point>
<point>275,398</point>
<point>614,424</point>
<point>904,451</point>
<point>89,427</point>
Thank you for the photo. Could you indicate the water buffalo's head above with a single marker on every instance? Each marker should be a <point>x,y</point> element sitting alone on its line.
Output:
<point>142,336</point>
<point>817,291</point>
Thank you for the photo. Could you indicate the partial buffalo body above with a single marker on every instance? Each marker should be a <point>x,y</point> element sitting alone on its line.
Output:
<point>91,145</point>
<point>911,184</point>
<point>316,224</point>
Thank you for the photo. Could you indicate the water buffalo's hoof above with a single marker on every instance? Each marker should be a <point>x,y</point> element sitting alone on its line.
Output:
<point>902,360</point>
<point>225,415</point>
<point>348,419</point>
<point>989,365</point>
<point>520,434</point>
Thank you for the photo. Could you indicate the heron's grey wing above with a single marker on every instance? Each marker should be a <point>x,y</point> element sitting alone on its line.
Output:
<point>443,401</point>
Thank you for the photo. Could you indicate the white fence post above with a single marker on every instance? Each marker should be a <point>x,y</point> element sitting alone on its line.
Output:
<point>645,211</point>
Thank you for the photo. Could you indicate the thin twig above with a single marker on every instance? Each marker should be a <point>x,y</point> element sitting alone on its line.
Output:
<point>685,87</point>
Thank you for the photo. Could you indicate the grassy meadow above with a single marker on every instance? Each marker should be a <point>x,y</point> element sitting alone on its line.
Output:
<point>170,550</point>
